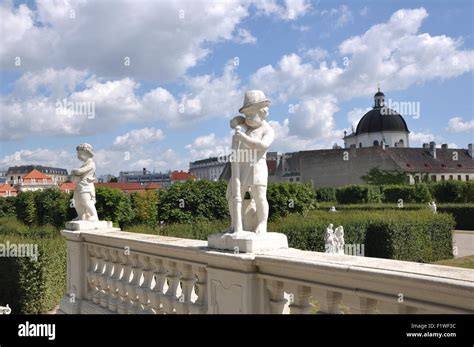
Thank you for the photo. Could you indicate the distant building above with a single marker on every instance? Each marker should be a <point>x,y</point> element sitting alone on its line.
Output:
<point>338,167</point>
<point>3,177</point>
<point>208,169</point>
<point>181,176</point>
<point>145,176</point>
<point>379,125</point>
<point>15,174</point>
<point>105,178</point>
<point>34,180</point>
<point>7,189</point>
<point>126,187</point>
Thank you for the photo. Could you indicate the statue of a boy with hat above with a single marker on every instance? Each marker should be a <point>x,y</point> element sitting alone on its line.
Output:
<point>84,177</point>
<point>251,177</point>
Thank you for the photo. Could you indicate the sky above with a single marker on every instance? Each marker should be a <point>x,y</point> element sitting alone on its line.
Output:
<point>153,84</point>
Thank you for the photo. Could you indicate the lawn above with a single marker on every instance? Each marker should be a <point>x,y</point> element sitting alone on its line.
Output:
<point>465,262</point>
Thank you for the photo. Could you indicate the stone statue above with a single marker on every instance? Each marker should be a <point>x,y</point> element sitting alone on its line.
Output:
<point>433,207</point>
<point>329,240</point>
<point>250,172</point>
<point>84,177</point>
<point>247,189</point>
<point>339,233</point>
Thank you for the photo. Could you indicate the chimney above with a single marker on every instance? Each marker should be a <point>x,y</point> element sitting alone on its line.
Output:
<point>444,146</point>
<point>144,171</point>
<point>433,149</point>
<point>426,145</point>
<point>383,145</point>
<point>469,150</point>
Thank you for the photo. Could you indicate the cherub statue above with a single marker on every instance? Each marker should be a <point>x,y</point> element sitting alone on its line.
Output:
<point>433,207</point>
<point>252,133</point>
<point>84,177</point>
<point>329,239</point>
<point>339,237</point>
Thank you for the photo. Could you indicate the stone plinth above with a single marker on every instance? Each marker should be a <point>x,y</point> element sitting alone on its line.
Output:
<point>247,242</point>
<point>89,225</point>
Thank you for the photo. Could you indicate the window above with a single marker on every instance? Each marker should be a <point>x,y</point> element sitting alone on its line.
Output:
<point>376,143</point>
<point>417,179</point>
<point>467,177</point>
<point>11,178</point>
<point>451,177</point>
<point>442,177</point>
<point>459,178</point>
<point>360,144</point>
<point>400,143</point>
<point>297,179</point>
<point>291,179</point>
<point>433,178</point>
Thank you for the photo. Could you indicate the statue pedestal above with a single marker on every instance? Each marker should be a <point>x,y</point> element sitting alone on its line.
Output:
<point>79,225</point>
<point>247,242</point>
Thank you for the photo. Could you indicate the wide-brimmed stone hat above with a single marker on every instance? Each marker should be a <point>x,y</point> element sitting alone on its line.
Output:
<point>254,100</point>
<point>86,148</point>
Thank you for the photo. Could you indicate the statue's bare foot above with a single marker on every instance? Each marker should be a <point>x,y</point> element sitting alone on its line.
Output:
<point>261,229</point>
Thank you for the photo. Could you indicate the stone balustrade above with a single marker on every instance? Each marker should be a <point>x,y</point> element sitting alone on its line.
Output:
<point>112,271</point>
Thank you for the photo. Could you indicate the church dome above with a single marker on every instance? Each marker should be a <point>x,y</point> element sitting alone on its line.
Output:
<point>381,118</point>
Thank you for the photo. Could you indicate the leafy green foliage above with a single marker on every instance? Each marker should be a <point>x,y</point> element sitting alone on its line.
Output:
<point>7,206</point>
<point>26,207</point>
<point>52,207</point>
<point>358,194</point>
<point>453,191</point>
<point>114,205</point>
<point>286,198</point>
<point>408,193</point>
<point>190,201</point>
<point>378,176</point>
<point>145,207</point>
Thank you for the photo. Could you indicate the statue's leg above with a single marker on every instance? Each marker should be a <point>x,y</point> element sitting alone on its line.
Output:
<point>78,206</point>
<point>89,204</point>
<point>259,194</point>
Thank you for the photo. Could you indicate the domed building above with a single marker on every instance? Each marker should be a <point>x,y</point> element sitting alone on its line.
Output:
<point>381,125</point>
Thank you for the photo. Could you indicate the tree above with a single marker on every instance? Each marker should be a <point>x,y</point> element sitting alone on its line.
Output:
<point>145,207</point>
<point>114,205</point>
<point>113,179</point>
<point>380,177</point>
<point>26,207</point>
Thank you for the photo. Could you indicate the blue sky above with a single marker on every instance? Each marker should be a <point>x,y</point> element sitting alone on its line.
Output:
<point>190,63</point>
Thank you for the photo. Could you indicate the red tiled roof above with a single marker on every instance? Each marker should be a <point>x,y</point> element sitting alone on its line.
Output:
<point>182,176</point>
<point>152,186</point>
<point>67,186</point>
<point>37,175</point>
<point>7,187</point>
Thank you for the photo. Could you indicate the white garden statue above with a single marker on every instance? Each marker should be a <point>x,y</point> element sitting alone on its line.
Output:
<point>329,239</point>
<point>249,177</point>
<point>339,233</point>
<point>84,193</point>
<point>433,207</point>
<point>84,177</point>
<point>334,240</point>
<point>252,133</point>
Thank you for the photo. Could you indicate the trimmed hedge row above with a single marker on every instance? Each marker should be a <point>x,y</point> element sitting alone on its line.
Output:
<point>32,286</point>
<point>403,235</point>
<point>463,213</point>
<point>441,192</point>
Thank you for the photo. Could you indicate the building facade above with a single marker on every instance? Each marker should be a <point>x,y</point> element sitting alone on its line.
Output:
<point>145,177</point>
<point>208,169</point>
<point>15,174</point>
<point>33,181</point>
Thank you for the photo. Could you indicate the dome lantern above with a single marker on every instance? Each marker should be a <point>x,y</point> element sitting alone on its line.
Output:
<point>379,98</point>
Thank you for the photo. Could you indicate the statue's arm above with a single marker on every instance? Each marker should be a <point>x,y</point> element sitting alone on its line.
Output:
<point>84,169</point>
<point>263,143</point>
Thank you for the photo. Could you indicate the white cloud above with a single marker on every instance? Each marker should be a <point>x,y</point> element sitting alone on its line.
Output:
<point>25,113</point>
<point>291,10</point>
<point>316,54</point>
<point>342,15</point>
<point>417,139</point>
<point>458,125</point>
<point>138,137</point>
<point>245,37</point>
<point>209,146</point>
<point>40,156</point>
<point>49,37</point>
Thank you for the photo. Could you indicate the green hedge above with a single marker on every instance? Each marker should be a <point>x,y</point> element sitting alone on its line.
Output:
<point>404,235</point>
<point>453,191</point>
<point>30,286</point>
<point>407,193</point>
<point>358,193</point>
<point>287,198</point>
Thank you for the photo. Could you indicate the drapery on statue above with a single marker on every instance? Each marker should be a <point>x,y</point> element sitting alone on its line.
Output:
<point>250,175</point>
<point>84,177</point>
